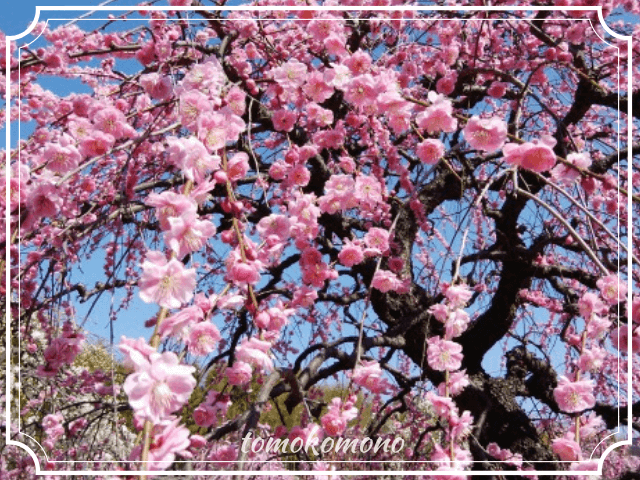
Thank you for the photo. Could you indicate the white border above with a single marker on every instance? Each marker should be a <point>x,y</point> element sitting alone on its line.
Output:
<point>39,9</point>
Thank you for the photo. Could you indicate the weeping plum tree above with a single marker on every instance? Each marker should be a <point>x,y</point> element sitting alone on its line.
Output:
<point>423,213</point>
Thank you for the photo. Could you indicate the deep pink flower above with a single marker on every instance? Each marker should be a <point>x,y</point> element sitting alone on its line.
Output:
<point>238,166</point>
<point>567,449</point>
<point>350,254</point>
<point>284,120</point>
<point>486,134</point>
<point>443,354</point>
<point>537,155</point>
<point>43,199</point>
<point>96,143</point>
<point>335,421</point>
<point>204,415</point>
<point>61,159</point>
<point>169,284</point>
<point>437,117</point>
<point>574,396</point>
<point>160,386</point>
<point>385,281</point>
<point>430,151</point>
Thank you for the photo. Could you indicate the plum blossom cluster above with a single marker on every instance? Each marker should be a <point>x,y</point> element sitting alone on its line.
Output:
<point>577,394</point>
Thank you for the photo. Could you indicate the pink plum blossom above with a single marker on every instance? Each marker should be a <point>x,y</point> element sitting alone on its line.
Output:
<point>167,283</point>
<point>486,134</point>
<point>430,151</point>
<point>188,234</point>
<point>160,386</point>
<point>369,375</point>
<point>612,289</point>
<point>239,374</point>
<point>255,352</point>
<point>443,354</point>
<point>537,155</point>
<point>574,396</point>
<point>202,338</point>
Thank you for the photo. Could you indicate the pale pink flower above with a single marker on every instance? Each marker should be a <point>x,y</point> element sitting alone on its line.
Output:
<point>361,91</point>
<point>592,359</point>
<point>456,323</point>
<point>612,289</point>
<point>169,284</point>
<point>191,157</point>
<point>567,449</point>
<point>212,130</point>
<point>319,116</point>
<point>236,100</point>
<point>443,354</point>
<point>368,190</point>
<point>458,381</point>
<point>537,155</point>
<point>172,440</point>
<point>439,311</point>
<point>565,174</point>
<point>188,234</point>
<point>290,75</point>
<point>620,338</point>
<point>574,396</point>
<point>192,105</point>
<point>239,374</point>
<point>159,387</point>
<point>136,352</point>
<point>430,151</point>
<point>486,134</point>
<point>274,225</point>
<point>369,375</point>
<point>177,325</point>
<point>170,204</point>
<point>316,88</point>
<point>458,295</point>
<point>202,338</point>
<point>590,304</point>
<point>255,352</point>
